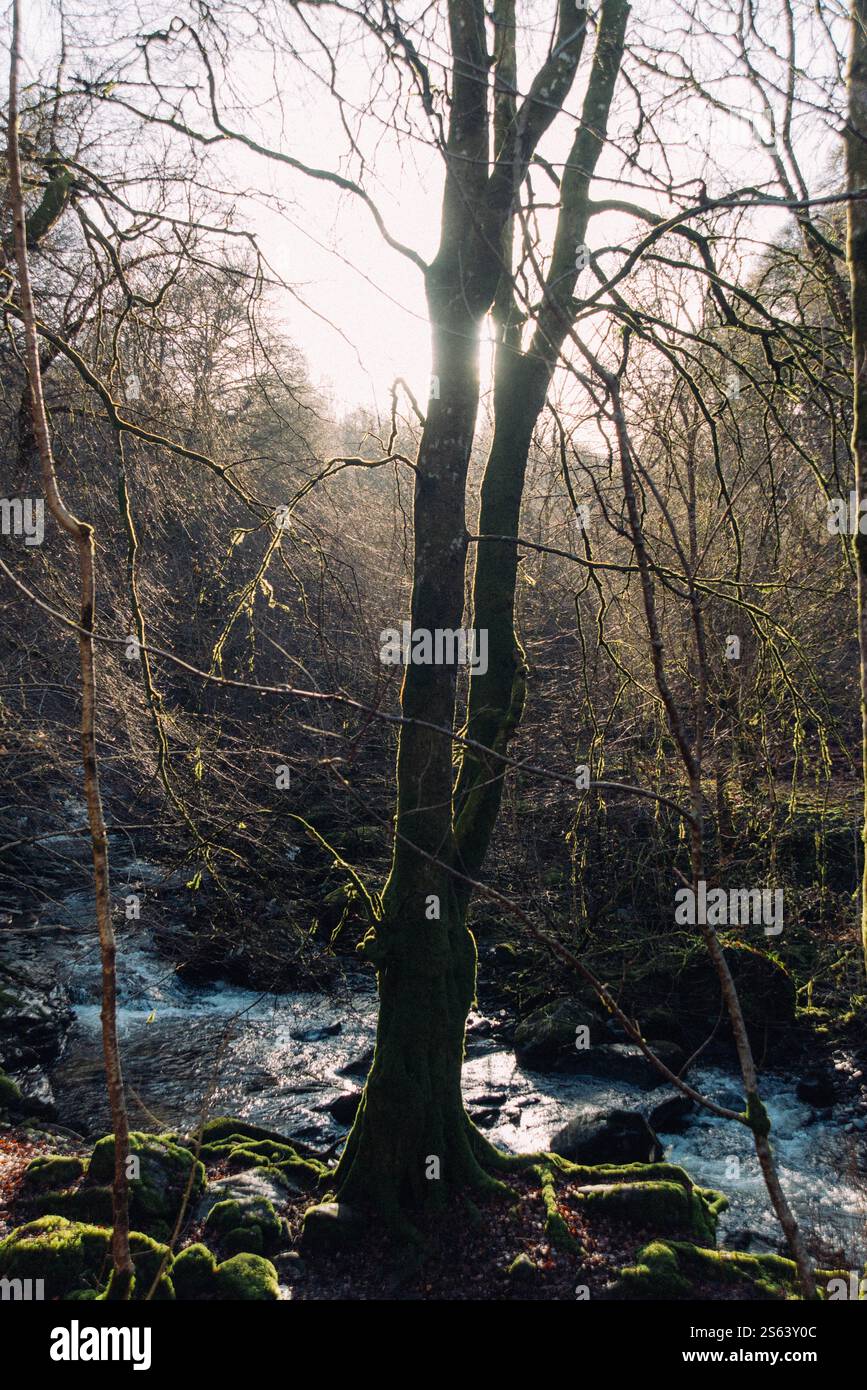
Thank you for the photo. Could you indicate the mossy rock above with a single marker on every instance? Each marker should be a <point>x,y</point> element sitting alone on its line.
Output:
<point>52,1172</point>
<point>193,1273</point>
<point>662,1206</point>
<point>523,1270</point>
<point>676,1269</point>
<point>330,1226</point>
<point>692,993</point>
<point>246,1224</point>
<point>546,1037</point>
<point>10,1094</point>
<point>91,1204</point>
<point>302,1174</point>
<point>76,1257</point>
<point>655,1274</point>
<point>164,1171</point>
<point>230,1127</point>
<point>247,1277</point>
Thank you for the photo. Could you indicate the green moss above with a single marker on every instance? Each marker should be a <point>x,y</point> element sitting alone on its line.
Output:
<point>247,1277</point>
<point>164,1171</point>
<point>523,1269</point>
<point>72,1256</point>
<point>227,1127</point>
<point>10,1095</point>
<point>654,1275</point>
<point>246,1223</point>
<point>676,1269</point>
<point>757,1116</point>
<point>193,1273</point>
<point>243,1152</point>
<point>556,1228</point>
<point>620,1172</point>
<point>90,1204</point>
<point>664,1207</point>
<point>51,1172</point>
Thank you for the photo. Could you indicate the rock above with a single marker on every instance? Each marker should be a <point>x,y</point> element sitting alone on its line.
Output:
<point>344,1108</point>
<point>818,1090</point>
<point>627,1062</point>
<point>485,1119</point>
<point>522,1269</point>
<point>73,1258</point>
<point>35,1016</point>
<point>10,1095</point>
<point>318,1034</point>
<point>35,1094</point>
<point>274,1155</point>
<point>766,991</point>
<point>247,1278</point>
<point>52,1171</point>
<point>670,1112</point>
<point>268,1184</point>
<point>331,1225</point>
<point>595,1135</point>
<point>164,1171</point>
<point>495,1098</point>
<point>545,1039</point>
<point>193,1272</point>
<point>360,1066</point>
<point>666,1208</point>
<point>248,1224</point>
<point>478,1026</point>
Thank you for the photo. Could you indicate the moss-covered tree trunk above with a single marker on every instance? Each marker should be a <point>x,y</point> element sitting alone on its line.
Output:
<point>412,1142</point>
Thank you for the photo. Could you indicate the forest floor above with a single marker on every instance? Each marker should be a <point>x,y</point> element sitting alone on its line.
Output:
<point>468,1251</point>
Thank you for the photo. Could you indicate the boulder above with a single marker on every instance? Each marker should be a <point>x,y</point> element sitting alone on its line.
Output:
<point>545,1039</point>
<point>75,1258</point>
<point>671,1110</point>
<point>248,1224</point>
<point>157,1192</point>
<point>35,1096</point>
<point>51,1172</point>
<point>35,1017</point>
<point>331,1225</point>
<point>627,1062</point>
<point>596,1135</point>
<point>818,1090</point>
<point>345,1106</point>
<point>264,1183</point>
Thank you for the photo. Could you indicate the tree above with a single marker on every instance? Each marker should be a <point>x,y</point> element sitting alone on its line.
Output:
<point>856,254</point>
<point>412,1142</point>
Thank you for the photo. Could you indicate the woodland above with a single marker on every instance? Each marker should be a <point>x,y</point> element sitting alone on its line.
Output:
<point>433,650</point>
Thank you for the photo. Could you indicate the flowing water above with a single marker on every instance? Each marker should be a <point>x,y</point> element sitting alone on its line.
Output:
<point>280,1061</point>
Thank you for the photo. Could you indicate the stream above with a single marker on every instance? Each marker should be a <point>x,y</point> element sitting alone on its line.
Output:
<point>282,1060</point>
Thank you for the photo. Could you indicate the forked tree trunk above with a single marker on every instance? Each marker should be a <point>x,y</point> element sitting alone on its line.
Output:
<point>412,1142</point>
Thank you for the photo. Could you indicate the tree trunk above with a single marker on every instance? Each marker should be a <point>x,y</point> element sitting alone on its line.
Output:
<point>82,534</point>
<point>412,1142</point>
<point>856,253</point>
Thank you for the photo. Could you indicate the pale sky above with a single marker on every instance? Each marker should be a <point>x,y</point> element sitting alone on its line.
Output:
<point>373,323</point>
